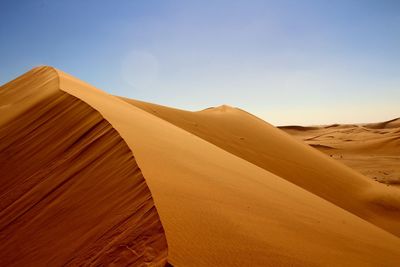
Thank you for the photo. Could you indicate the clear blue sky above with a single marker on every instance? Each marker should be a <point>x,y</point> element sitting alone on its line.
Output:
<point>289,62</point>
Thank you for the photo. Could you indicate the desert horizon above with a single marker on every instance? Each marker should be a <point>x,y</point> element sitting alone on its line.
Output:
<point>224,133</point>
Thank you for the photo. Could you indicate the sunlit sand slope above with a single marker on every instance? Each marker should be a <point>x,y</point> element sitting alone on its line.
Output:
<point>258,142</point>
<point>71,192</point>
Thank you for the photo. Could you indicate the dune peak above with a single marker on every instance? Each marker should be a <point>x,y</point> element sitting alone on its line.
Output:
<point>221,108</point>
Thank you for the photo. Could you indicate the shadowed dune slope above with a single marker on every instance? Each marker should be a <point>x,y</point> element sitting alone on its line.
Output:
<point>71,192</point>
<point>260,143</point>
<point>220,210</point>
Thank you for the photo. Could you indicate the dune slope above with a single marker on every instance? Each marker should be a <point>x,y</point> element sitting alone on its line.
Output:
<point>71,192</point>
<point>260,143</point>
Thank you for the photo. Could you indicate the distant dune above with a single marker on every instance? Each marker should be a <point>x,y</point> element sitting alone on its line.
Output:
<point>372,149</point>
<point>88,178</point>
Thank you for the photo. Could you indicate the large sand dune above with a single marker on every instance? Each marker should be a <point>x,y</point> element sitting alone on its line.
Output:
<point>78,165</point>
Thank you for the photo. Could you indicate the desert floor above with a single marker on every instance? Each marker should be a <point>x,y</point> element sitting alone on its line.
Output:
<point>371,149</point>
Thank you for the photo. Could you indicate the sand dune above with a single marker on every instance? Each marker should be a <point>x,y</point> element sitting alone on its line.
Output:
<point>229,189</point>
<point>262,144</point>
<point>372,149</point>
<point>71,192</point>
<point>395,123</point>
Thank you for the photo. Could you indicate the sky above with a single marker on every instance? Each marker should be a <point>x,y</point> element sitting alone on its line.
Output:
<point>289,61</point>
